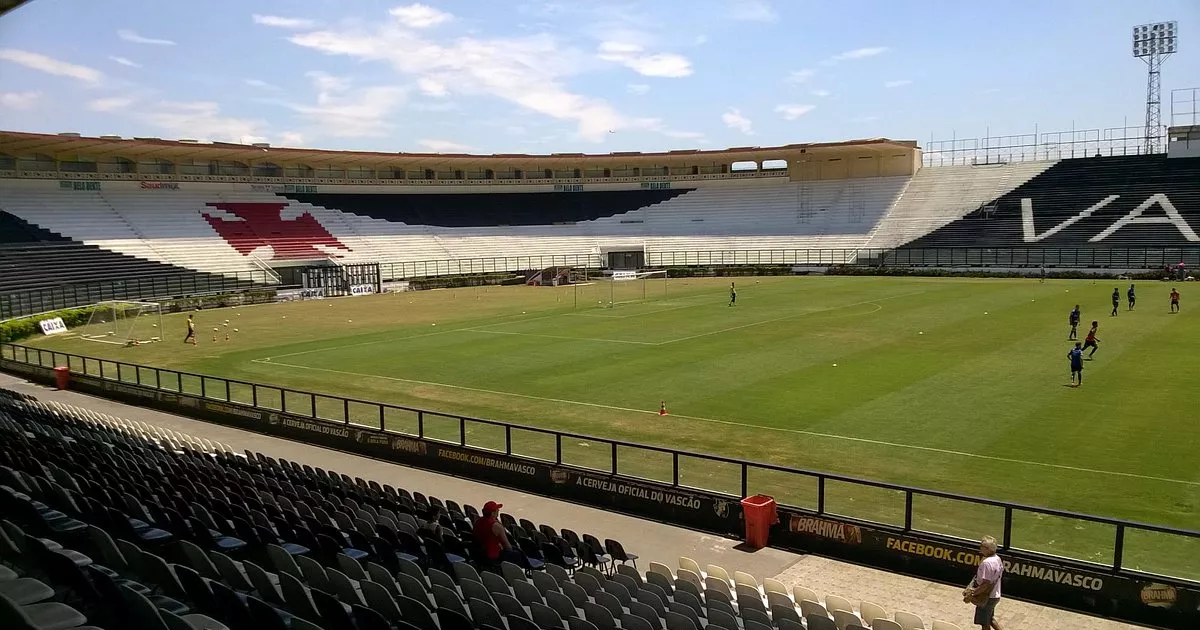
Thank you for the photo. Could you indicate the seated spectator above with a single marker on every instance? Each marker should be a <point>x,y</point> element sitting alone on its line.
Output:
<point>432,525</point>
<point>493,539</point>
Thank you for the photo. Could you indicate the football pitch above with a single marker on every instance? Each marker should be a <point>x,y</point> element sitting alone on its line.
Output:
<point>952,384</point>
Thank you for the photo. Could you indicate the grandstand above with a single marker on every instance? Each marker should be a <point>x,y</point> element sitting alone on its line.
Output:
<point>163,529</point>
<point>172,529</point>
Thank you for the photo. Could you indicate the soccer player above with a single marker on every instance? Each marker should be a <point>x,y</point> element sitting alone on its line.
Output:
<point>1074,320</point>
<point>1129,294</point>
<point>1043,274</point>
<point>1076,357</point>
<point>191,333</point>
<point>1091,341</point>
<point>732,294</point>
<point>1116,297</point>
<point>1174,300</point>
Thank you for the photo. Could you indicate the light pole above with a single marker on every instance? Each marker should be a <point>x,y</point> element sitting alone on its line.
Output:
<point>1153,43</point>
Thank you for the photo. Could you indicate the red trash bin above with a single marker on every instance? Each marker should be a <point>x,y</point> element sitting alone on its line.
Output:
<point>62,377</point>
<point>760,514</point>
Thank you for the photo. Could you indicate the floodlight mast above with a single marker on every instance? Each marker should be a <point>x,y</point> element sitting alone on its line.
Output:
<point>1153,43</point>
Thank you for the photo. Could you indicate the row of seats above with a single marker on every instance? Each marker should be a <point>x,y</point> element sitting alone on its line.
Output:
<point>236,574</point>
<point>219,231</point>
<point>95,479</point>
<point>937,196</point>
<point>1078,203</point>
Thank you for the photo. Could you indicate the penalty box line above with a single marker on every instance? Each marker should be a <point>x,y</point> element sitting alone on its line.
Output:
<point>817,434</point>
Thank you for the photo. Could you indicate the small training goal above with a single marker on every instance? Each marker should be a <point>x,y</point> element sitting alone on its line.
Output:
<point>123,322</point>
<point>627,287</point>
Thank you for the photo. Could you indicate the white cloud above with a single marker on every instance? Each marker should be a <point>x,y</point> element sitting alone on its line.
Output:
<point>259,83</point>
<point>821,93</point>
<point>684,135</point>
<point>282,22</point>
<point>637,88</point>
<point>859,53</point>
<point>792,112</point>
<point>526,70</point>
<point>420,15</point>
<point>343,112</point>
<point>202,120</point>
<point>656,125</point>
<point>50,65</point>
<point>432,87</point>
<point>132,36</point>
<point>445,146</point>
<point>635,58</point>
<point>290,139</point>
<point>735,120</point>
<point>896,84</point>
<point>111,103</point>
<point>753,11</point>
<point>800,76</point>
<point>124,61</point>
<point>19,100</point>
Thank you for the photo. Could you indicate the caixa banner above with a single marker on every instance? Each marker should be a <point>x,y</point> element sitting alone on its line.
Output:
<point>52,326</point>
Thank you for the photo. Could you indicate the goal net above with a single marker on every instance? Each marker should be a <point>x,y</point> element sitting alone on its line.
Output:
<point>123,323</point>
<point>628,287</point>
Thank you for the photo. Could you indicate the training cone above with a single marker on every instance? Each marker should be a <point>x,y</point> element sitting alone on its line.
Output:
<point>662,408</point>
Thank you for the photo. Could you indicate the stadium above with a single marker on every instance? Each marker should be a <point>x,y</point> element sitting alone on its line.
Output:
<point>779,387</point>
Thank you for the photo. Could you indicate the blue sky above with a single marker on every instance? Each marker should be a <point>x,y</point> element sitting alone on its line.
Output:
<point>578,75</point>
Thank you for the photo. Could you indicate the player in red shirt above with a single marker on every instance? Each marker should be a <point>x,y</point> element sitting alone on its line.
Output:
<point>1174,300</point>
<point>1091,341</point>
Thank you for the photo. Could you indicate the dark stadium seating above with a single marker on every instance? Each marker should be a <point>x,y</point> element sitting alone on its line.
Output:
<point>34,258</point>
<point>134,529</point>
<point>490,209</point>
<point>1070,188</point>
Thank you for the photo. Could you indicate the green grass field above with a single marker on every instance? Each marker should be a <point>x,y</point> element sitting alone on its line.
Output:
<point>950,384</point>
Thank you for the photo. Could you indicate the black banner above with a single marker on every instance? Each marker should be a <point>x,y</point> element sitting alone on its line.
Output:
<point>1094,591</point>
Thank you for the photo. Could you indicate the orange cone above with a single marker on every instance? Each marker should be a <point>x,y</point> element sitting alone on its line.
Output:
<point>662,408</point>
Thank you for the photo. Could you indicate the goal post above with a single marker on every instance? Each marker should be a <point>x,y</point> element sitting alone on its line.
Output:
<point>627,287</point>
<point>123,323</point>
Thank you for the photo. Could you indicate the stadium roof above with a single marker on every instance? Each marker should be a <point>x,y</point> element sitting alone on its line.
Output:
<point>21,143</point>
<point>9,5</point>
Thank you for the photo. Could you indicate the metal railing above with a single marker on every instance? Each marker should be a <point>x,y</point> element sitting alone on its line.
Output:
<point>1095,542</point>
<point>30,301</point>
<point>1016,257</point>
<point>27,302</point>
<point>1039,146</point>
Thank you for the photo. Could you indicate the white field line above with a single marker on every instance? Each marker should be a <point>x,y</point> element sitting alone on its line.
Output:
<point>524,334</point>
<point>828,436</point>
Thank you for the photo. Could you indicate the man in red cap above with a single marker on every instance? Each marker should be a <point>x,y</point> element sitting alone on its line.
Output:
<point>490,534</point>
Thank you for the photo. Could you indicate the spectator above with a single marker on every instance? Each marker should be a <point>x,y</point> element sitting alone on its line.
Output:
<point>984,590</point>
<point>493,540</point>
<point>432,526</point>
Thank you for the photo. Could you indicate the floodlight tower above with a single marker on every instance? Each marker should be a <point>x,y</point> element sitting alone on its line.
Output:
<point>1153,42</point>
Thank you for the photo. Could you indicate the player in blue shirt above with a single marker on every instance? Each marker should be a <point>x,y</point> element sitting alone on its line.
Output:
<point>1076,357</point>
<point>1130,295</point>
<point>1073,319</point>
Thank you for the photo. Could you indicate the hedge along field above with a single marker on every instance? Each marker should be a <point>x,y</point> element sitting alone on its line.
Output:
<point>953,384</point>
